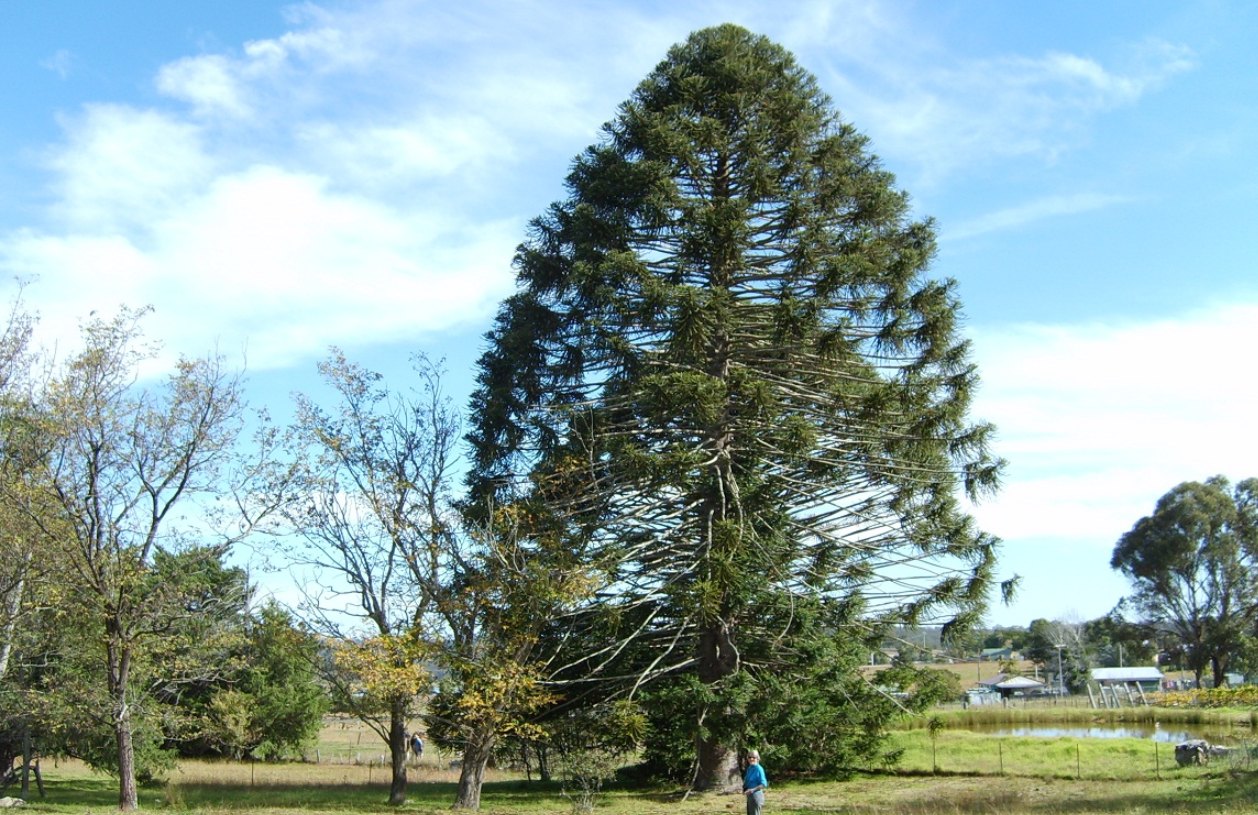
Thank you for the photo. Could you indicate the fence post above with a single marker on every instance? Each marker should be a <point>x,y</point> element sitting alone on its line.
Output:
<point>1078,763</point>
<point>1001,747</point>
<point>1157,761</point>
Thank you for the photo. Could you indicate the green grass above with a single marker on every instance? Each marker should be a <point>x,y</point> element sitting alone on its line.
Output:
<point>960,772</point>
<point>1222,718</point>
<point>961,752</point>
<point>1195,792</point>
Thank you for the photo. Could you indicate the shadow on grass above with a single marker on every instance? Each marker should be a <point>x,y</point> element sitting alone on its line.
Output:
<point>90,793</point>
<point>305,797</point>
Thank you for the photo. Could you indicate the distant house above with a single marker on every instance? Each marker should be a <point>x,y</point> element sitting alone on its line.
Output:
<point>996,654</point>
<point>1018,686</point>
<point>1147,679</point>
<point>992,681</point>
<point>1011,684</point>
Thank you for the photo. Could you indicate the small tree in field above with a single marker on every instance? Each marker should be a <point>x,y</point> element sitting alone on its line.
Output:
<point>372,512</point>
<point>405,584</point>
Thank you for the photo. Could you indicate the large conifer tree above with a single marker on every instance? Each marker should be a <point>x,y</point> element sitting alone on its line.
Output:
<point>726,368</point>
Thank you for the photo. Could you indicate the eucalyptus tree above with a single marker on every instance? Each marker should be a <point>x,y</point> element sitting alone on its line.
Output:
<point>726,370</point>
<point>1192,566</point>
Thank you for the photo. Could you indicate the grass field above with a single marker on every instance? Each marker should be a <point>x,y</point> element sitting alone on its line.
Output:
<point>955,772</point>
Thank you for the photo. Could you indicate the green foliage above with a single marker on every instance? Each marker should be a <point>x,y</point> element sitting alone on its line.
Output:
<point>1116,642</point>
<point>815,714</point>
<point>1041,643</point>
<point>200,603</point>
<point>584,772</point>
<point>280,676</point>
<point>1005,636</point>
<point>730,381</point>
<point>1192,567</point>
<point>271,703</point>
<point>118,468</point>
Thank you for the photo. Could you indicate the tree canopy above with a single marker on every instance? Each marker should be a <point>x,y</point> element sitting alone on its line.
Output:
<point>113,480</point>
<point>727,373</point>
<point>1192,566</point>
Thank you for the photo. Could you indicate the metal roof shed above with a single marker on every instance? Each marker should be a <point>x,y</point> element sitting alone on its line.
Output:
<point>1116,683</point>
<point>1121,676</point>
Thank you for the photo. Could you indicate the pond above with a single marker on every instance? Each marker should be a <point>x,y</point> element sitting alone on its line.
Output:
<point>1172,734</point>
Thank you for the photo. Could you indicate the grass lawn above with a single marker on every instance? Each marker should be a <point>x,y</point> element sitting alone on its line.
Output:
<point>957,772</point>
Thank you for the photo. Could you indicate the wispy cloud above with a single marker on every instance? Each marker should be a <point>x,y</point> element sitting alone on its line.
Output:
<point>952,112</point>
<point>60,63</point>
<point>1051,207</point>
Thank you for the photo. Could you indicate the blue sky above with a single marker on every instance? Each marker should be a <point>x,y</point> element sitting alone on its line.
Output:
<point>275,179</point>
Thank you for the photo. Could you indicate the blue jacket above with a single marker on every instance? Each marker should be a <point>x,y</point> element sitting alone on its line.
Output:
<point>754,777</point>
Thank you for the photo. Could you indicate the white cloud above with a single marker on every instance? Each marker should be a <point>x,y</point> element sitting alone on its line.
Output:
<point>121,167</point>
<point>414,151</point>
<point>1099,421</point>
<point>60,63</point>
<point>295,266</point>
<point>72,276</point>
<point>208,83</point>
<point>276,262</point>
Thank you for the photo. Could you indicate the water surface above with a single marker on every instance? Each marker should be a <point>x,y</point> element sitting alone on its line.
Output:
<point>1172,734</point>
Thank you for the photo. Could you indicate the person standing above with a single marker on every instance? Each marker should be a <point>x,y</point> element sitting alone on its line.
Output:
<point>754,784</point>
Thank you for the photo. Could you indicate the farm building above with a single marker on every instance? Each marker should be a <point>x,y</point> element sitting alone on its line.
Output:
<point>1010,684</point>
<point>996,654</point>
<point>1148,680</point>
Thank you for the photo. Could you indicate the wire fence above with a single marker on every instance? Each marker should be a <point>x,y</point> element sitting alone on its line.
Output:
<point>964,753</point>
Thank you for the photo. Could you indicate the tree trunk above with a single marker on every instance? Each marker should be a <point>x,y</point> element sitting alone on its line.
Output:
<point>12,607</point>
<point>718,766</point>
<point>717,761</point>
<point>128,797</point>
<point>1218,669</point>
<point>472,773</point>
<point>118,654</point>
<point>398,748</point>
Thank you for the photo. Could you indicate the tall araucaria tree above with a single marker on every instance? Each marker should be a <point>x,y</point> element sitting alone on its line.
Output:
<point>726,368</point>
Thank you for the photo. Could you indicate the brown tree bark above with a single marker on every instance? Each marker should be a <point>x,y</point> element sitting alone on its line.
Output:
<point>397,751</point>
<point>119,663</point>
<point>718,659</point>
<point>472,774</point>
